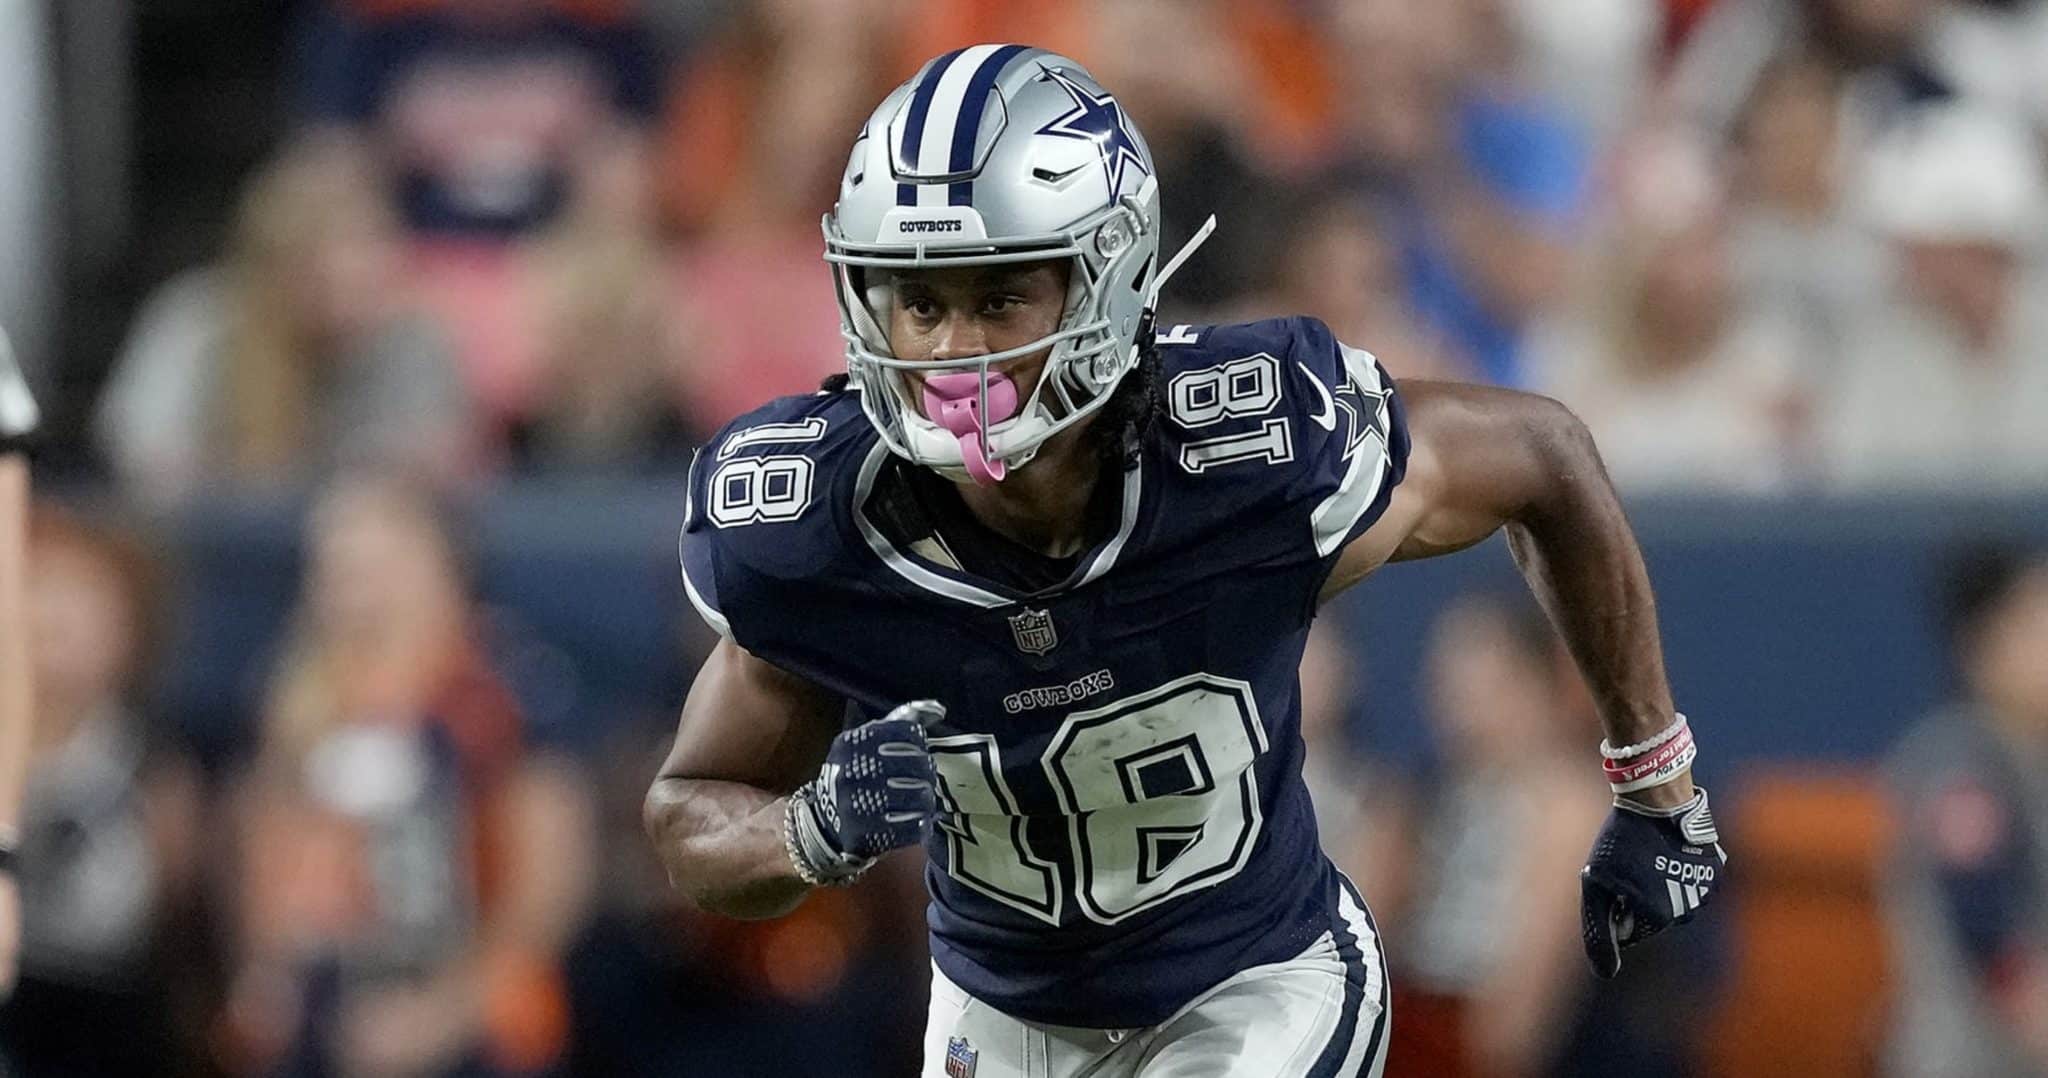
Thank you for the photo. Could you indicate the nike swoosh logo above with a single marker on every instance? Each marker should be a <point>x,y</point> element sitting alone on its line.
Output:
<point>1050,176</point>
<point>1327,418</point>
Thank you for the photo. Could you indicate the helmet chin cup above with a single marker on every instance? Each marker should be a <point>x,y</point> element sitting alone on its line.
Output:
<point>929,445</point>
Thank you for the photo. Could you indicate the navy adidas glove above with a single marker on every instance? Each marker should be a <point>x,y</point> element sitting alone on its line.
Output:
<point>1650,869</point>
<point>875,794</point>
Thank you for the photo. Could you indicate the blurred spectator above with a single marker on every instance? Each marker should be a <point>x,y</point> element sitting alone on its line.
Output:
<point>1201,105</point>
<point>1797,250</point>
<point>1877,48</point>
<point>761,128</point>
<point>112,962</point>
<point>1682,380</point>
<point>1594,58</point>
<point>605,338</point>
<point>1488,181</point>
<point>1333,261</point>
<point>1491,967</point>
<point>1944,385</point>
<point>763,116</point>
<point>410,872</point>
<point>485,112</point>
<point>488,121</point>
<point>1994,52</point>
<point>294,356</point>
<point>1970,903</point>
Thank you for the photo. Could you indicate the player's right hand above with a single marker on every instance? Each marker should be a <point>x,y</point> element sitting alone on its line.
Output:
<point>876,793</point>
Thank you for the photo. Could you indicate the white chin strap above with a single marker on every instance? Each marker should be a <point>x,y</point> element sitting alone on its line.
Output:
<point>1173,264</point>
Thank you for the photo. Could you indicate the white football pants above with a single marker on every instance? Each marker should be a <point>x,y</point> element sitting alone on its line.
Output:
<point>1322,1014</point>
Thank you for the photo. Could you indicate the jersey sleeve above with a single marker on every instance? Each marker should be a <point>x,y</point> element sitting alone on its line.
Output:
<point>756,513</point>
<point>1352,439</point>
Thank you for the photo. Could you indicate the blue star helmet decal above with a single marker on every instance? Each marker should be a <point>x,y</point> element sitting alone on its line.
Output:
<point>1098,119</point>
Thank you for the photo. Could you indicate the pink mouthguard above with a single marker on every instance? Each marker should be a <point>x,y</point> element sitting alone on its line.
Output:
<point>950,401</point>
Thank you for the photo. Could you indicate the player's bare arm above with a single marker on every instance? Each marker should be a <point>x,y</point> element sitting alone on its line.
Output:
<point>763,796</point>
<point>1484,459</point>
<point>749,735</point>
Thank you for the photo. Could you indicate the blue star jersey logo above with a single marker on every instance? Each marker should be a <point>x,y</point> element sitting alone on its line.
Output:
<point>1098,119</point>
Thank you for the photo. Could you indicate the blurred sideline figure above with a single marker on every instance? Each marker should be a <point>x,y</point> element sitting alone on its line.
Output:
<point>1486,181</point>
<point>1970,783</point>
<point>293,357</point>
<point>19,418</point>
<point>1944,384</point>
<point>489,125</point>
<point>1491,928</point>
<point>607,346</point>
<point>112,944</point>
<point>410,870</point>
<point>1686,380</point>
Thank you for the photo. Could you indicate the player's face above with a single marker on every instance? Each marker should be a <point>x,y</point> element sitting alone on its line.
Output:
<point>960,313</point>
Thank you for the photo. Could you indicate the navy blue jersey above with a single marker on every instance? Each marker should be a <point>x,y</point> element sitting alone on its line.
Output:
<point>1124,822</point>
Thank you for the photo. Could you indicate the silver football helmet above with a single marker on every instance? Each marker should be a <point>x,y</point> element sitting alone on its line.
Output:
<point>988,155</point>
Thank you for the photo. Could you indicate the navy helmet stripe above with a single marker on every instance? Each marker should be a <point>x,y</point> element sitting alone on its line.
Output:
<point>968,124</point>
<point>913,124</point>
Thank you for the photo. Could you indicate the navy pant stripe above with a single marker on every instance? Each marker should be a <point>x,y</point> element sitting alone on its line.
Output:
<point>913,124</point>
<point>968,124</point>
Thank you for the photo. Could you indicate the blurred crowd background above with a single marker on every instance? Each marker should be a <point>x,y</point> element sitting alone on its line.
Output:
<point>377,333</point>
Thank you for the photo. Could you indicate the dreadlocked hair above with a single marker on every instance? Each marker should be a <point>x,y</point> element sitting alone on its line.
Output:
<point>1126,418</point>
<point>1128,415</point>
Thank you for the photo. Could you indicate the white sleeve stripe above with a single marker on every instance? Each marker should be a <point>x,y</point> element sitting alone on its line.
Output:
<point>1334,518</point>
<point>705,610</point>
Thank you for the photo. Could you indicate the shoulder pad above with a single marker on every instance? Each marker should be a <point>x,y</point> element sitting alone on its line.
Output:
<point>767,498</point>
<point>1282,407</point>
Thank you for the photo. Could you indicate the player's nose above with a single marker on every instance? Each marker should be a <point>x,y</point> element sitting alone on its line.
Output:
<point>959,336</point>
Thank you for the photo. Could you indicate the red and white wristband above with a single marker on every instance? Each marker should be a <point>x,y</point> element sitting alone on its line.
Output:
<point>1652,762</point>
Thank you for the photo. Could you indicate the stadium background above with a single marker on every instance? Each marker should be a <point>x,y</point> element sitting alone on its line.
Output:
<point>376,334</point>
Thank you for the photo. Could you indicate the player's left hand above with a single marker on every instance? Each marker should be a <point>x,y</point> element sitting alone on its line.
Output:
<point>1650,869</point>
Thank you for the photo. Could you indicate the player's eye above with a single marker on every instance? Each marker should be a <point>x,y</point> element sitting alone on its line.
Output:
<point>1001,304</point>
<point>920,307</point>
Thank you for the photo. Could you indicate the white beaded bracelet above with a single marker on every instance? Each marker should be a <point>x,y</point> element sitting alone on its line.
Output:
<point>1641,747</point>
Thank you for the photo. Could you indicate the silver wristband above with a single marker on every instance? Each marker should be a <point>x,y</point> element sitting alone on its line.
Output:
<point>815,861</point>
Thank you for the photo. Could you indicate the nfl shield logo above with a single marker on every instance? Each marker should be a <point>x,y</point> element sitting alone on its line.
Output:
<point>1033,630</point>
<point>959,1058</point>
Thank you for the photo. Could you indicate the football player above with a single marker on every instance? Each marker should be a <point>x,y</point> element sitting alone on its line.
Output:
<point>1030,587</point>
